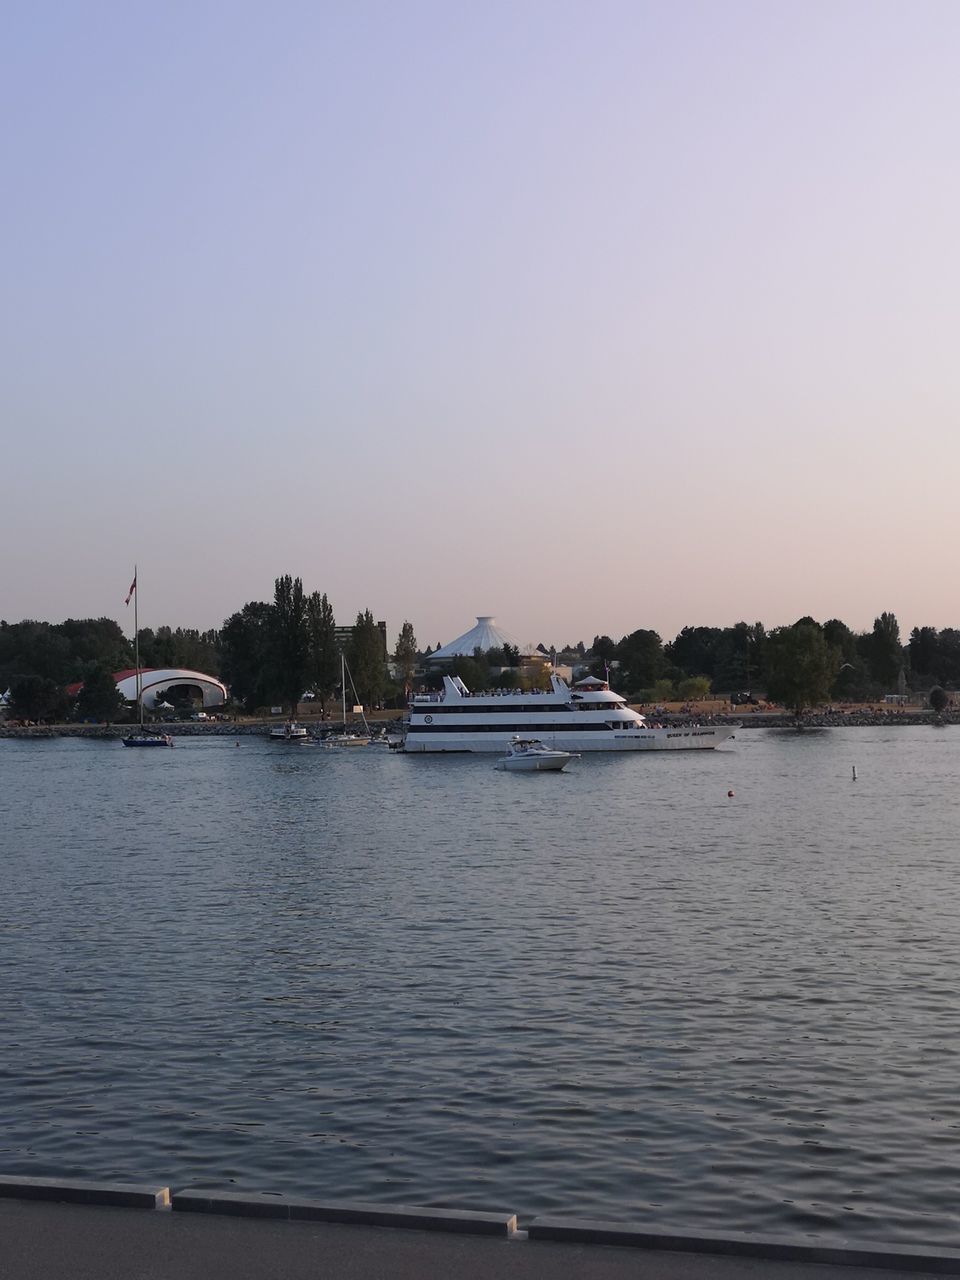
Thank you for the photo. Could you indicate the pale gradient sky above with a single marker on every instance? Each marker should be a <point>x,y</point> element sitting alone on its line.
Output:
<point>591,316</point>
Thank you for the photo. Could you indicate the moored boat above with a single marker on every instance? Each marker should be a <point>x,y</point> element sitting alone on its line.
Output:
<point>346,740</point>
<point>289,732</point>
<point>144,739</point>
<point>588,716</point>
<point>346,737</point>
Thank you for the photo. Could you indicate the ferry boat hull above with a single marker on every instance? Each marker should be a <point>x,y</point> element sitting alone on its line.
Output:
<point>691,738</point>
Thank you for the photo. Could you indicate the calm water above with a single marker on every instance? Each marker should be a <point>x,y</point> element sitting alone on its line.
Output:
<point>615,991</point>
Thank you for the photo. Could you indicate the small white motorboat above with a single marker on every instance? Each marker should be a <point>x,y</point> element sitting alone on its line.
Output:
<point>289,732</point>
<point>530,755</point>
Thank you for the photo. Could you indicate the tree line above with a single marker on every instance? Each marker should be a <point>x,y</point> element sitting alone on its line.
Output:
<point>803,664</point>
<point>271,652</point>
<point>268,652</point>
<point>275,652</point>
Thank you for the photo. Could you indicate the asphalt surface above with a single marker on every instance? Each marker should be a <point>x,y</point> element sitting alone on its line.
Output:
<point>79,1242</point>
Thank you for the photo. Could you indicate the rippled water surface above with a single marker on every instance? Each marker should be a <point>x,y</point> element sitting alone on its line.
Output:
<point>615,992</point>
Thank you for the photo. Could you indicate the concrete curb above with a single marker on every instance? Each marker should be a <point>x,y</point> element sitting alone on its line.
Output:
<point>888,1257</point>
<point>120,1194</point>
<point>463,1221</point>
<point>470,1222</point>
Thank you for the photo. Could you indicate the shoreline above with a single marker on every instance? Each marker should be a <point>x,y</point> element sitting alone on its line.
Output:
<point>866,719</point>
<point>179,729</point>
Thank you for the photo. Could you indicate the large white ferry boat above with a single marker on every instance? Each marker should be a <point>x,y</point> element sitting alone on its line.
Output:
<point>587,717</point>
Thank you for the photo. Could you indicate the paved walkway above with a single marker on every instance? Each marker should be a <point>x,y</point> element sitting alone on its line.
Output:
<point>79,1242</point>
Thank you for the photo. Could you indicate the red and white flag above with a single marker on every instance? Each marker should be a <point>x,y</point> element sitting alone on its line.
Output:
<point>133,587</point>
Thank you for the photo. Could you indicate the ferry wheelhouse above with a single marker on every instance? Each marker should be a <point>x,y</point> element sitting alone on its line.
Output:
<point>587,717</point>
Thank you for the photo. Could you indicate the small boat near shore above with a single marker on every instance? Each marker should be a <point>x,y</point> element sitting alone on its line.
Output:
<point>530,755</point>
<point>289,732</point>
<point>144,739</point>
<point>346,737</point>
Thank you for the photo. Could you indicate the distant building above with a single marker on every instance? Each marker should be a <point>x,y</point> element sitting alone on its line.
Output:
<point>341,636</point>
<point>485,635</point>
<point>534,658</point>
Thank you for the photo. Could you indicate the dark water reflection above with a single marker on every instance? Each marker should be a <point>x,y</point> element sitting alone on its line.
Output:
<point>615,992</point>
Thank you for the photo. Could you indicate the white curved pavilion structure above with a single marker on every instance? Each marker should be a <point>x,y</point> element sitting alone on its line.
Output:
<point>156,682</point>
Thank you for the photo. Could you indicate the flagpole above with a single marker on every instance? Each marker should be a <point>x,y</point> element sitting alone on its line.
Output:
<point>136,647</point>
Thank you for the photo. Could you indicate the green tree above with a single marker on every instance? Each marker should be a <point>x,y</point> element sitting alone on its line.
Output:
<point>852,681</point>
<point>323,662</point>
<point>603,648</point>
<point>801,666</point>
<point>738,657</point>
<point>152,647</point>
<point>367,659</point>
<point>37,698</point>
<point>405,656</point>
<point>184,647</point>
<point>693,689</point>
<point>603,652</point>
<point>641,660</point>
<point>886,652</point>
<point>937,698</point>
<point>290,639</point>
<point>32,648</point>
<point>948,644</point>
<point>924,650</point>
<point>247,655</point>
<point>695,651</point>
<point>98,640</point>
<point>99,699</point>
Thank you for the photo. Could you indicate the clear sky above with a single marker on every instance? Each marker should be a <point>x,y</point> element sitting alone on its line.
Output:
<point>589,316</point>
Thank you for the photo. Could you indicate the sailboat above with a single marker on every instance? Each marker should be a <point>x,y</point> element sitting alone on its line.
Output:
<point>345,738</point>
<point>141,738</point>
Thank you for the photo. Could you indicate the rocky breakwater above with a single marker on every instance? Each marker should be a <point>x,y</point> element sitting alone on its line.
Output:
<point>180,729</point>
<point>881,719</point>
<point>184,729</point>
<point>830,719</point>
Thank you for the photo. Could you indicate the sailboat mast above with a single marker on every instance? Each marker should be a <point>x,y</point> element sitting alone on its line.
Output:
<point>343,687</point>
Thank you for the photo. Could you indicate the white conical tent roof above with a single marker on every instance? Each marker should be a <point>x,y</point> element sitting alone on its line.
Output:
<point>485,635</point>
